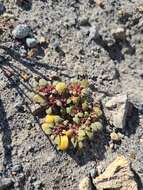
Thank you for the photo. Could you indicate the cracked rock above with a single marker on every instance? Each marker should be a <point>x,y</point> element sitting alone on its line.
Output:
<point>116,110</point>
<point>118,176</point>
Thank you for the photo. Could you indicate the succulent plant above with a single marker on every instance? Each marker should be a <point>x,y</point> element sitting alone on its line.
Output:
<point>70,118</point>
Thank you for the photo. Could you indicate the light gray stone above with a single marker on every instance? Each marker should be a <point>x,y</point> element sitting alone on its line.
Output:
<point>21,31</point>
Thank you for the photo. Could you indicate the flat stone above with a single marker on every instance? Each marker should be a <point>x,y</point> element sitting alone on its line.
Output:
<point>118,176</point>
<point>116,110</point>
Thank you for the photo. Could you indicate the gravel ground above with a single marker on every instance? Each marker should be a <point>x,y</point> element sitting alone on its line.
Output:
<point>83,41</point>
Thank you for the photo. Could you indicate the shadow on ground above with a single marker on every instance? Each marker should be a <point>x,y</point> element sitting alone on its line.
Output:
<point>6,136</point>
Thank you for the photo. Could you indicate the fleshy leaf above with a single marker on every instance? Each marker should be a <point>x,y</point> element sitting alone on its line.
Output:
<point>84,83</point>
<point>81,135</point>
<point>57,139</point>
<point>38,99</point>
<point>74,142</point>
<point>60,87</point>
<point>80,145</point>
<point>89,134</point>
<point>49,111</point>
<point>47,130</point>
<point>76,120</point>
<point>97,111</point>
<point>49,119</point>
<point>69,133</point>
<point>96,126</point>
<point>64,143</point>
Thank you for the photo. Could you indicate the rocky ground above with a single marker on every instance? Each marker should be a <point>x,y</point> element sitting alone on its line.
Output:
<point>100,40</point>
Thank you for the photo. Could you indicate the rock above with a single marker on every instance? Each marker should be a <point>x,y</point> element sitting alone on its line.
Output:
<point>17,168</point>
<point>118,176</point>
<point>6,183</point>
<point>93,33</point>
<point>85,184</point>
<point>21,31</point>
<point>2,8</point>
<point>119,33</point>
<point>37,184</point>
<point>115,137</point>
<point>31,42</point>
<point>100,3</point>
<point>93,173</point>
<point>116,110</point>
<point>56,43</point>
<point>84,21</point>
<point>140,8</point>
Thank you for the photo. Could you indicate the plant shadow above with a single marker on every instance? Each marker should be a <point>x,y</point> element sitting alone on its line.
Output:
<point>132,121</point>
<point>94,150</point>
<point>6,137</point>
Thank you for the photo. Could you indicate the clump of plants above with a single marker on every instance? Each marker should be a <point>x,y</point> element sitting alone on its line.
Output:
<point>71,115</point>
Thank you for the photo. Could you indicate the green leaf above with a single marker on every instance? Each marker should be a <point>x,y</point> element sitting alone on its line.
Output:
<point>86,114</point>
<point>97,111</point>
<point>48,131</point>
<point>84,83</point>
<point>80,145</point>
<point>80,114</point>
<point>74,142</point>
<point>76,120</point>
<point>49,111</point>
<point>81,135</point>
<point>96,126</point>
<point>57,140</point>
<point>69,109</point>
<point>85,106</point>
<point>69,101</point>
<point>89,134</point>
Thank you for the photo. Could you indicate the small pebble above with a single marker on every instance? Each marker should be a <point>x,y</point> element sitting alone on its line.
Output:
<point>21,31</point>
<point>93,33</point>
<point>115,136</point>
<point>31,42</point>
<point>119,33</point>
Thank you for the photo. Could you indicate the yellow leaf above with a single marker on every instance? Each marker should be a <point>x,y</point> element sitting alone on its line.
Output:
<point>60,87</point>
<point>38,99</point>
<point>68,133</point>
<point>64,143</point>
<point>49,119</point>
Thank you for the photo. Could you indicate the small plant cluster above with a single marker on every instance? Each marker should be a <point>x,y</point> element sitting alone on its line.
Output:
<point>71,117</point>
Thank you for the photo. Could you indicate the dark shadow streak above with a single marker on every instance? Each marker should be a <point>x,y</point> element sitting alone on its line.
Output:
<point>6,138</point>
